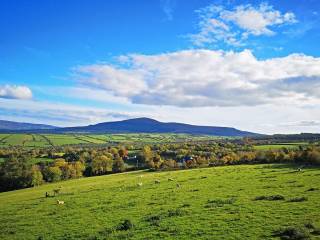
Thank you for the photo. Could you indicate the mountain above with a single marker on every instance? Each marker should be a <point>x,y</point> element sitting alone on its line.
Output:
<point>137,125</point>
<point>20,126</point>
<point>147,125</point>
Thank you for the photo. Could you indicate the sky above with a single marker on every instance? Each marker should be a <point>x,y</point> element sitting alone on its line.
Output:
<point>252,65</point>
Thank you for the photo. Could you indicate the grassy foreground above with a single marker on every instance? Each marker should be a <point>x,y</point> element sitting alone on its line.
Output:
<point>211,203</point>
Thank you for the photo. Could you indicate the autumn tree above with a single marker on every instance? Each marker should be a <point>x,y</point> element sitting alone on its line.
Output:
<point>118,165</point>
<point>102,164</point>
<point>53,174</point>
<point>36,176</point>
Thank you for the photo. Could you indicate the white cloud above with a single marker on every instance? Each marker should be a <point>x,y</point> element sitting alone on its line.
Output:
<point>303,123</point>
<point>197,78</point>
<point>60,114</point>
<point>15,92</point>
<point>233,26</point>
<point>167,7</point>
<point>263,119</point>
<point>113,78</point>
<point>83,93</point>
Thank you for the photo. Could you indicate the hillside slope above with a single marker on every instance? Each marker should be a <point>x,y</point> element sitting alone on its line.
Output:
<point>20,126</point>
<point>211,203</point>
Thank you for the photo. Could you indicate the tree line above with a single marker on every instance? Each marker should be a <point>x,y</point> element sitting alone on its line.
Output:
<point>19,171</point>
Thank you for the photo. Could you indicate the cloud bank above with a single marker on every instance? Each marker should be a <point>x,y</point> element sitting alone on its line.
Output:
<point>200,78</point>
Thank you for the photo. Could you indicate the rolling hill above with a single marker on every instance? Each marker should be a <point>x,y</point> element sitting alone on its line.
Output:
<point>210,203</point>
<point>20,126</point>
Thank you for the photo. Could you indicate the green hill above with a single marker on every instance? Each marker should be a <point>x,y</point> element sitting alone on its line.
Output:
<point>232,202</point>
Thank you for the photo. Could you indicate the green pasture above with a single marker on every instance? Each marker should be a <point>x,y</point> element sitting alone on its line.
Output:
<point>293,145</point>
<point>230,202</point>
<point>47,140</point>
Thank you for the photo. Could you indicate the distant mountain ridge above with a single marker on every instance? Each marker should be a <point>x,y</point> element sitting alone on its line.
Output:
<point>137,125</point>
<point>19,126</point>
<point>147,125</point>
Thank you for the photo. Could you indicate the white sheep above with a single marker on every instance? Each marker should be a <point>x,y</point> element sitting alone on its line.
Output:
<point>60,202</point>
<point>139,184</point>
<point>157,181</point>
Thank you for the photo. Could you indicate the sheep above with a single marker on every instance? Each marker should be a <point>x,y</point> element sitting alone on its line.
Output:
<point>299,169</point>
<point>139,184</point>
<point>60,202</point>
<point>170,179</point>
<point>157,181</point>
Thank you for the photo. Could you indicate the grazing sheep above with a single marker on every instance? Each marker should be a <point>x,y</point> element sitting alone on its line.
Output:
<point>170,179</point>
<point>157,181</point>
<point>60,202</point>
<point>299,169</point>
<point>139,184</point>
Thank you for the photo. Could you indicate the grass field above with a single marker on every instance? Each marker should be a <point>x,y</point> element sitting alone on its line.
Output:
<point>231,202</point>
<point>293,145</point>
<point>47,140</point>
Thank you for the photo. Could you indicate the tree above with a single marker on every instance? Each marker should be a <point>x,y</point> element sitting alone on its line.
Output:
<point>123,152</point>
<point>157,161</point>
<point>64,167</point>
<point>147,156</point>
<point>53,174</point>
<point>169,164</point>
<point>102,164</point>
<point>113,151</point>
<point>36,176</point>
<point>16,172</point>
<point>118,165</point>
<point>314,156</point>
<point>77,169</point>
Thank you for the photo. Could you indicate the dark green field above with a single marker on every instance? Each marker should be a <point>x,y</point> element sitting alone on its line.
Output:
<point>231,202</point>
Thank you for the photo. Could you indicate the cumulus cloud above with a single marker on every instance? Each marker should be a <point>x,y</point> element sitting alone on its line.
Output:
<point>15,92</point>
<point>233,26</point>
<point>197,78</point>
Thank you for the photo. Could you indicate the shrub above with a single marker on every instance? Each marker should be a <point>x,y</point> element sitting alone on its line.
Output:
<point>125,225</point>
<point>312,189</point>
<point>298,199</point>
<point>219,202</point>
<point>270,198</point>
<point>292,233</point>
<point>154,220</point>
<point>316,231</point>
<point>175,212</point>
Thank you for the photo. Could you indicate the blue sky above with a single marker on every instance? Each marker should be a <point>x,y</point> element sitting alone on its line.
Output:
<point>247,64</point>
